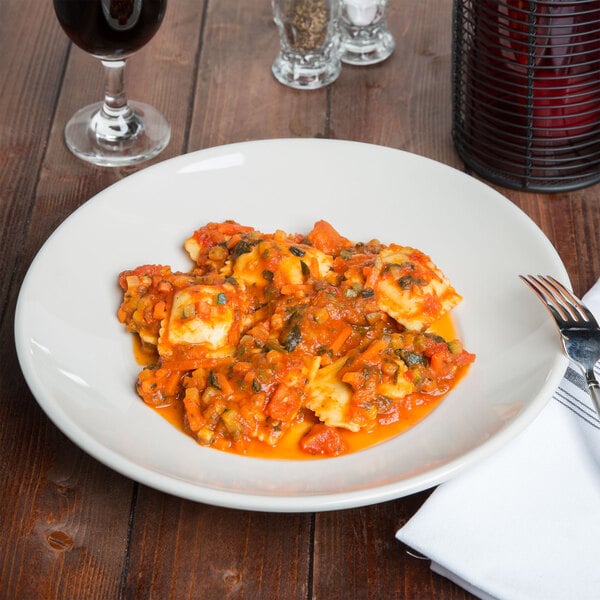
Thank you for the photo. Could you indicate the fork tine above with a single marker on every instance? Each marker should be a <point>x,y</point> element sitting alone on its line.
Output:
<point>557,297</point>
<point>575,304</point>
<point>547,297</point>
<point>562,303</point>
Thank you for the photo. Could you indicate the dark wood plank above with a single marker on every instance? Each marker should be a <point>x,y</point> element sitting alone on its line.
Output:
<point>29,92</point>
<point>571,223</point>
<point>182,550</point>
<point>357,556</point>
<point>67,515</point>
<point>403,102</point>
<point>237,97</point>
<point>47,521</point>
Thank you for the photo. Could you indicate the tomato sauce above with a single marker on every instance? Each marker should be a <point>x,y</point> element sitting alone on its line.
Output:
<point>414,410</point>
<point>289,346</point>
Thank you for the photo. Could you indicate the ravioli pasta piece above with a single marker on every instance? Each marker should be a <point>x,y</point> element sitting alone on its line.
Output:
<point>288,262</point>
<point>329,397</point>
<point>354,390</point>
<point>200,315</point>
<point>146,292</point>
<point>411,289</point>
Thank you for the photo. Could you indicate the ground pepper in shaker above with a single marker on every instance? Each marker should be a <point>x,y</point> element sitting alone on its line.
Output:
<point>306,24</point>
<point>309,41</point>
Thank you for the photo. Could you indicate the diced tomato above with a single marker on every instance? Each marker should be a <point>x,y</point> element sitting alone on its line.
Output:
<point>464,358</point>
<point>214,233</point>
<point>284,404</point>
<point>323,440</point>
<point>439,361</point>
<point>325,238</point>
<point>160,310</point>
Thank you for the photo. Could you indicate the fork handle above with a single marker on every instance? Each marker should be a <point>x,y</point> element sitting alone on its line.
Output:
<point>593,388</point>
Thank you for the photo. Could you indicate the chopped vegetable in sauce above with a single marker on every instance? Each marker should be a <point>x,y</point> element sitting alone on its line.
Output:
<point>269,330</point>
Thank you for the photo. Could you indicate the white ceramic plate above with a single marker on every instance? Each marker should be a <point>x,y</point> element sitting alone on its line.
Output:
<point>78,360</point>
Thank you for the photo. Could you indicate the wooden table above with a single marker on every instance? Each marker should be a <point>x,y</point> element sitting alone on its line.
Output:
<point>72,528</point>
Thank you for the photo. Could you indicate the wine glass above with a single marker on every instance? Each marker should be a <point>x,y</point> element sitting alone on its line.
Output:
<point>114,132</point>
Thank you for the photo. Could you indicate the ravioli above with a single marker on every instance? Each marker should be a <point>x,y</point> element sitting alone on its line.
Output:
<point>334,397</point>
<point>272,331</point>
<point>289,263</point>
<point>412,289</point>
<point>199,314</point>
<point>329,397</point>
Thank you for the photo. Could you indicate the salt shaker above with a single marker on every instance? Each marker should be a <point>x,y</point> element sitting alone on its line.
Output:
<point>309,42</point>
<point>364,35</point>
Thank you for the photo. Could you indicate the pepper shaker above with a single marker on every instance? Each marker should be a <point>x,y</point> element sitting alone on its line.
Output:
<point>309,42</point>
<point>365,38</point>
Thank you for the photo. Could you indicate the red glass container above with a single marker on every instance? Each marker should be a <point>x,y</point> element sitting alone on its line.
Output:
<point>526,91</point>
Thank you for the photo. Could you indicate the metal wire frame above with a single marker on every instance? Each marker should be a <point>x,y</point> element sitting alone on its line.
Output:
<point>526,91</point>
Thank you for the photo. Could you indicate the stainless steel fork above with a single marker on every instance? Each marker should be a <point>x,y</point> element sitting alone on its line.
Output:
<point>579,330</point>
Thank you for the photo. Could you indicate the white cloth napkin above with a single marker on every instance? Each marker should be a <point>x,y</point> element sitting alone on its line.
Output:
<point>525,523</point>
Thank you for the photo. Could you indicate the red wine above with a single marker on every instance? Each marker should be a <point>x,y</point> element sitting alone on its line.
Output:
<point>110,29</point>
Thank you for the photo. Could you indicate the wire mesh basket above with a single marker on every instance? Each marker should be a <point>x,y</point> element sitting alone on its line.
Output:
<point>526,91</point>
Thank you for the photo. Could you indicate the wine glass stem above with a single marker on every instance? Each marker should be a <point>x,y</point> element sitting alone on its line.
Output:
<point>115,121</point>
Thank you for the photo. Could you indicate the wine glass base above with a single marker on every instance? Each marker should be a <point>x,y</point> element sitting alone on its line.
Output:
<point>124,143</point>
